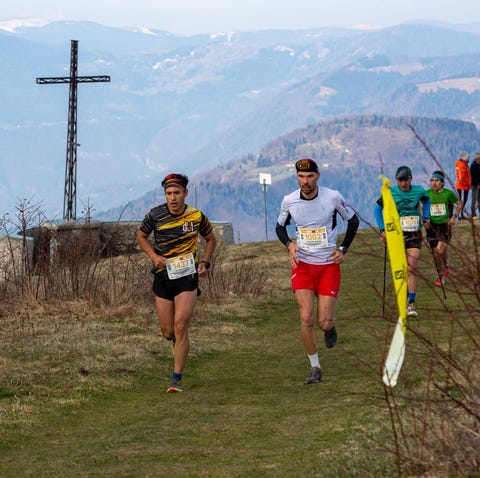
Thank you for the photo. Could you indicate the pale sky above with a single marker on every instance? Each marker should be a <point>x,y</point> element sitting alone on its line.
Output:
<point>207,16</point>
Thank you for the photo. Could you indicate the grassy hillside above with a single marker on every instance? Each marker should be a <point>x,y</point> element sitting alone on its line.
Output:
<point>83,375</point>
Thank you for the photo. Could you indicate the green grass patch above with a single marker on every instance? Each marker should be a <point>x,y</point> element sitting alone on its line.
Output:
<point>85,394</point>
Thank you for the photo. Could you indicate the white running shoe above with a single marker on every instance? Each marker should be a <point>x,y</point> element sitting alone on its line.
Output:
<point>411,312</point>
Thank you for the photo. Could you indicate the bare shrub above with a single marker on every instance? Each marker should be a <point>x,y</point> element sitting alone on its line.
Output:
<point>74,263</point>
<point>80,270</point>
<point>236,276</point>
<point>74,260</point>
<point>435,412</point>
<point>71,265</point>
<point>16,251</point>
<point>435,408</point>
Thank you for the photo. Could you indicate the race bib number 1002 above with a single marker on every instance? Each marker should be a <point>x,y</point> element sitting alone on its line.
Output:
<point>313,238</point>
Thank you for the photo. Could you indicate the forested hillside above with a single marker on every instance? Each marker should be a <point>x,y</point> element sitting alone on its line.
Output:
<point>351,152</point>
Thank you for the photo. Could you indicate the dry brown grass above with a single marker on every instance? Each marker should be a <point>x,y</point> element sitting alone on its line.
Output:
<point>65,340</point>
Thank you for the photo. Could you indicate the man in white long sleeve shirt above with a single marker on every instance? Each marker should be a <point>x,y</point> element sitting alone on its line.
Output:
<point>315,257</point>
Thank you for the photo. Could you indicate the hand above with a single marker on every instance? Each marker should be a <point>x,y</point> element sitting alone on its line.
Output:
<point>202,269</point>
<point>338,256</point>
<point>292,250</point>
<point>159,261</point>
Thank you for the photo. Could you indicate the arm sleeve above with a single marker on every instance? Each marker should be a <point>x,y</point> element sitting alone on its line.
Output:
<point>282,234</point>
<point>352,227</point>
<point>426,207</point>
<point>378,212</point>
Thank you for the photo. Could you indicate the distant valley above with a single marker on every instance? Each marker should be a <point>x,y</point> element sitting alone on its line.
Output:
<point>218,106</point>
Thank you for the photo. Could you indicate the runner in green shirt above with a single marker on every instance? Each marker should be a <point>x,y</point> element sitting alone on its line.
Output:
<point>413,205</point>
<point>444,205</point>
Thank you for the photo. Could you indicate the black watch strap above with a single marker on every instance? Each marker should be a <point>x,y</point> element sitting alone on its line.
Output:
<point>207,264</point>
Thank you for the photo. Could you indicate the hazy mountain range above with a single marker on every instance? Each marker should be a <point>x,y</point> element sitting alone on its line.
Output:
<point>192,104</point>
<point>351,152</point>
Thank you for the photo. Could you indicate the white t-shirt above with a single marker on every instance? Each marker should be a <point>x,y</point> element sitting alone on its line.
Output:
<point>315,221</point>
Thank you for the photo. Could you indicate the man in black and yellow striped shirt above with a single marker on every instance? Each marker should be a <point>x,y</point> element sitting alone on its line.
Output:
<point>175,226</point>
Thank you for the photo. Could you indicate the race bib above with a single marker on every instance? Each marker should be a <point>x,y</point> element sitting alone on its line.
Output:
<point>180,266</point>
<point>312,238</point>
<point>438,210</point>
<point>409,223</point>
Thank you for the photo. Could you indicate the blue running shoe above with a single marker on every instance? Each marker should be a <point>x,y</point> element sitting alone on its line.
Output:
<point>175,386</point>
<point>315,375</point>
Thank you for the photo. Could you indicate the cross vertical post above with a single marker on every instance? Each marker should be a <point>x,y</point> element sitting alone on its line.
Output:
<point>70,191</point>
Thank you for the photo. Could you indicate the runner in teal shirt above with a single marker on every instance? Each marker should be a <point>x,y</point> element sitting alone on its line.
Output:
<point>444,206</point>
<point>413,205</point>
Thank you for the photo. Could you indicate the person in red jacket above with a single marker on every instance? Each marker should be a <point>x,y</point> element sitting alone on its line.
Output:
<point>463,181</point>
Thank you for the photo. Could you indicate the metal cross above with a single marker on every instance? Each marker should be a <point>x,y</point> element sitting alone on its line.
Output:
<point>70,193</point>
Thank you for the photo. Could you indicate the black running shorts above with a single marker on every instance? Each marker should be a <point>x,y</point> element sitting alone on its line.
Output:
<point>413,239</point>
<point>166,288</point>
<point>439,232</point>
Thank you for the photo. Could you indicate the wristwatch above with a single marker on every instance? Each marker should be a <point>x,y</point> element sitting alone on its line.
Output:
<point>207,264</point>
<point>342,249</point>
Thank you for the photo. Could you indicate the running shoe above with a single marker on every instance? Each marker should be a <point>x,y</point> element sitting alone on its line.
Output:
<point>330,337</point>
<point>175,386</point>
<point>440,281</point>
<point>315,375</point>
<point>446,272</point>
<point>411,312</point>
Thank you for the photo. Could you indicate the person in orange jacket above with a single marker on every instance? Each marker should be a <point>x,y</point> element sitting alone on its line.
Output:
<point>463,180</point>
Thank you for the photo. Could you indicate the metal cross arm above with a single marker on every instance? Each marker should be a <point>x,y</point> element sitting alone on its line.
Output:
<point>69,79</point>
